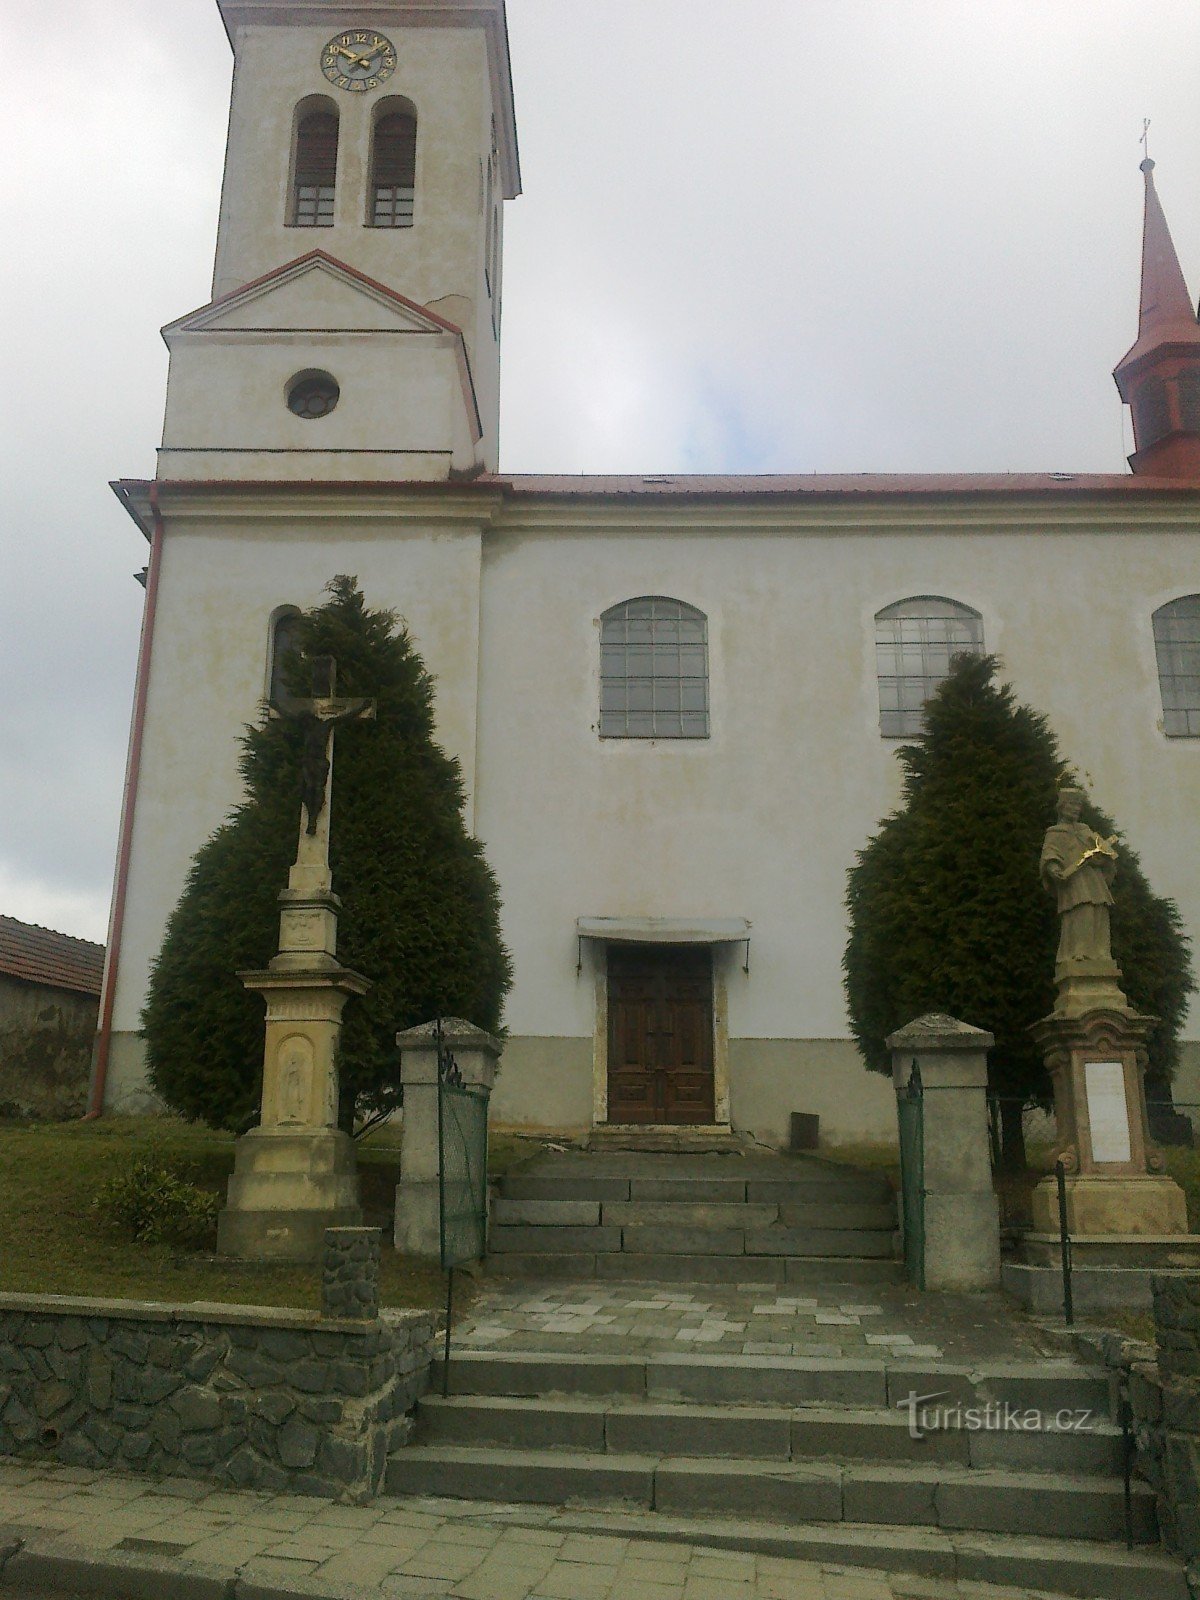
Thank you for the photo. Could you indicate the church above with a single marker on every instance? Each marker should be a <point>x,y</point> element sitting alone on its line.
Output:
<point>676,700</point>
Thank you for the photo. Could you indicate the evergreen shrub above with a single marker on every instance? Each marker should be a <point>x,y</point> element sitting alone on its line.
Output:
<point>152,1204</point>
<point>946,908</point>
<point>420,913</point>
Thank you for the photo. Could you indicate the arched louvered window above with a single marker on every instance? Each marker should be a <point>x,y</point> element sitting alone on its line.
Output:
<point>1189,400</point>
<point>314,169</point>
<point>1151,412</point>
<point>394,169</point>
<point>285,627</point>
<point>915,642</point>
<point>1177,647</point>
<point>653,670</point>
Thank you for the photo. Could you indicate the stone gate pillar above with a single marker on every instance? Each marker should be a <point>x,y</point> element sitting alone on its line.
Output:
<point>476,1055</point>
<point>962,1215</point>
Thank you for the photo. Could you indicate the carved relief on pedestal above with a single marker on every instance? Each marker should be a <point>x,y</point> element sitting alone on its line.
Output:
<point>294,1077</point>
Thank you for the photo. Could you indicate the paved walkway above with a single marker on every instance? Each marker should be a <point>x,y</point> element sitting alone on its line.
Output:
<point>142,1537</point>
<point>873,1321</point>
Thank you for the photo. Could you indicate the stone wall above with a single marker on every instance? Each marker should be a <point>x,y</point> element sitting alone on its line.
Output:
<point>1163,1388</point>
<point>244,1396</point>
<point>45,1049</point>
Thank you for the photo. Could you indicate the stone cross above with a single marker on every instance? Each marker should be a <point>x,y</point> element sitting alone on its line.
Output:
<point>318,717</point>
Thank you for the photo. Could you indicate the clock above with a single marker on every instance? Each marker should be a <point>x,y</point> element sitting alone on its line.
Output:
<point>358,60</point>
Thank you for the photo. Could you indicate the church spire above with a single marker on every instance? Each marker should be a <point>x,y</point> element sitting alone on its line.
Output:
<point>1159,378</point>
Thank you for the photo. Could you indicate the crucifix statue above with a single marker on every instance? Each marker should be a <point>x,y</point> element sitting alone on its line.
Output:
<point>318,717</point>
<point>294,1175</point>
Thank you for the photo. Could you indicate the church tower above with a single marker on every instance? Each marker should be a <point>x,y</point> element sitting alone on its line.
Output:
<point>354,332</point>
<point>1159,379</point>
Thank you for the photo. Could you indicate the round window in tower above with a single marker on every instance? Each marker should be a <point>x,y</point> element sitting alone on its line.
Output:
<point>313,394</point>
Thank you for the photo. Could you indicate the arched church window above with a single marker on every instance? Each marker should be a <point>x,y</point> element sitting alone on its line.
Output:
<point>1177,647</point>
<point>915,641</point>
<point>284,641</point>
<point>314,167</point>
<point>653,670</point>
<point>393,167</point>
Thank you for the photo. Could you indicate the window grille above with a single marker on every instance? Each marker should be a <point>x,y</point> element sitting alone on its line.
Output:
<point>285,638</point>
<point>915,642</point>
<point>394,171</point>
<point>653,670</point>
<point>1177,647</point>
<point>315,170</point>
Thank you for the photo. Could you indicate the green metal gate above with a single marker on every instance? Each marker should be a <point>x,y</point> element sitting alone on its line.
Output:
<point>911,1111</point>
<point>462,1176</point>
<point>462,1163</point>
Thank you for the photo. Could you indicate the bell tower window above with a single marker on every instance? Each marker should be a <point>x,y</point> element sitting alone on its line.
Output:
<point>314,167</point>
<point>393,166</point>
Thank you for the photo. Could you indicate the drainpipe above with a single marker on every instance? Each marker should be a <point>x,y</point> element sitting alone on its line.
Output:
<point>116,922</point>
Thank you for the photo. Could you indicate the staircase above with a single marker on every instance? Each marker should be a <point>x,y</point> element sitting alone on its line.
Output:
<point>802,1458</point>
<point>704,1218</point>
<point>808,1456</point>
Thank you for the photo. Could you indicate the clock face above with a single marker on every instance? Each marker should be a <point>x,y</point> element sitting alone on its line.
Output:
<point>358,60</point>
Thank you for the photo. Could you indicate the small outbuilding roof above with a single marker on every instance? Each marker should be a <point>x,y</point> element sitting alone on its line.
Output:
<point>39,955</point>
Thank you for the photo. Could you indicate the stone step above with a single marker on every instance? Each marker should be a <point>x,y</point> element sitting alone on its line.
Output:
<point>790,1381</point>
<point>1089,1570</point>
<point>939,1495</point>
<point>700,1238</point>
<point>626,1266</point>
<point>854,1189</point>
<point>759,1433</point>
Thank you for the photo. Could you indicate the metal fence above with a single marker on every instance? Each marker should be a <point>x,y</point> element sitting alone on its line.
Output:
<point>910,1108</point>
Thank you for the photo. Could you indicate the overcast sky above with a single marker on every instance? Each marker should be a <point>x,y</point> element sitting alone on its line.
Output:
<point>757,235</point>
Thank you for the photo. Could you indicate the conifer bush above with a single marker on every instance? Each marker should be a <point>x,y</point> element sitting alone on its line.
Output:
<point>947,911</point>
<point>420,907</point>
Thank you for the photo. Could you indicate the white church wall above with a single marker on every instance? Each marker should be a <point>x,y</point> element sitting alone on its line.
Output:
<point>222,578</point>
<point>763,818</point>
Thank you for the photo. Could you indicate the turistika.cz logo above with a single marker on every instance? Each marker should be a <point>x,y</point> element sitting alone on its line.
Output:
<point>994,1416</point>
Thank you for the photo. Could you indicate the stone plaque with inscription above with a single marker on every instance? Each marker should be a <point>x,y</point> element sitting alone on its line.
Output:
<point>1108,1111</point>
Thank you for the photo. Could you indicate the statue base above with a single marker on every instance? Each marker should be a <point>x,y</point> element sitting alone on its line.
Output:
<point>1123,1206</point>
<point>1135,1252</point>
<point>288,1186</point>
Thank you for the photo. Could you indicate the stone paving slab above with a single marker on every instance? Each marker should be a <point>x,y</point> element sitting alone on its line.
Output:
<point>752,1318</point>
<point>124,1537</point>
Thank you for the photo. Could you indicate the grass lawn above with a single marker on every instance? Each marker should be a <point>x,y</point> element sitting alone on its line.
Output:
<point>52,1243</point>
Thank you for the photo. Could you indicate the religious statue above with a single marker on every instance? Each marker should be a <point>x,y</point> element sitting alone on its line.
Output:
<point>317,719</point>
<point>1077,866</point>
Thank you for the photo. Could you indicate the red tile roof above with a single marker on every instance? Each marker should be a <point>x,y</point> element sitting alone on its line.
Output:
<point>39,955</point>
<point>833,484</point>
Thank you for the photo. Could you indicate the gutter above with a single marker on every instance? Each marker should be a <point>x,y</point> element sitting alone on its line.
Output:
<point>116,923</point>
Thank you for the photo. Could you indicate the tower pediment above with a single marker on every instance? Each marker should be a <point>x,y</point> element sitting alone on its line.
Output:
<point>396,396</point>
<point>315,293</point>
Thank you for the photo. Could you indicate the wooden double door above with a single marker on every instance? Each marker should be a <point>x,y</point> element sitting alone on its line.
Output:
<point>660,1034</point>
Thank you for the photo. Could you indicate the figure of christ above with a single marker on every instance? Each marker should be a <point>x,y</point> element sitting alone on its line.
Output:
<point>317,719</point>
<point>1077,866</point>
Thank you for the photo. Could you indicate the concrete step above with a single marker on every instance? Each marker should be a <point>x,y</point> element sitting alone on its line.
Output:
<point>1089,1570</point>
<point>744,1214</point>
<point>732,1189</point>
<point>789,1381</point>
<point>628,1266</point>
<point>939,1495</point>
<point>772,1433</point>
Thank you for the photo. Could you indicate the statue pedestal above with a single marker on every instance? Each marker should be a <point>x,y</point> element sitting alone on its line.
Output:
<point>1122,1207</point>
<point>294,1175</point>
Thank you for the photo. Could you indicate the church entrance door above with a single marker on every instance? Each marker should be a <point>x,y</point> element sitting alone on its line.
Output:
<point>660,1034</point>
